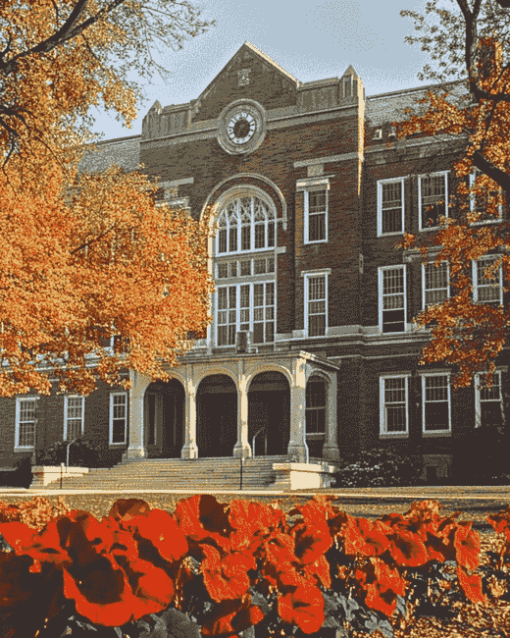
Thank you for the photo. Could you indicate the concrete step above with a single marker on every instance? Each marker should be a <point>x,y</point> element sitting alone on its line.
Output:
<point>209,473</point>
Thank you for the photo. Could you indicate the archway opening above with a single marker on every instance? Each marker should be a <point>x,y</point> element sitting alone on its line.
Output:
<point>269,413</point>
<point>217,416</point>
<point>164,419</point>
<point>315,415</point>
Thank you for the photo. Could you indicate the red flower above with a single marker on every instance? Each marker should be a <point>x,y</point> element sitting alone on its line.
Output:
<point>467,546</point>
<point>225,577</point>
<point>500,521</point>
<point>303,607</point>
<point>472,586</point>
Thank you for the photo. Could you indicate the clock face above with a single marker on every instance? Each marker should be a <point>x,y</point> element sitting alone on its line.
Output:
<point>241,127</point>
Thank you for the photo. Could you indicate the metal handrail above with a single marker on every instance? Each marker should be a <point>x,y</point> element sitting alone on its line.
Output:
<point>263,428</point>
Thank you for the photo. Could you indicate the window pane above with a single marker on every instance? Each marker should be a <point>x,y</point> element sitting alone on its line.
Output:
<point>260,235</point>
<point>392,207</point>
<point>436,403</point>
<point>488,290</point>
<point>317,201</point>
<point>395,418</point>
<point>436,283</point>
<point>433,194</point>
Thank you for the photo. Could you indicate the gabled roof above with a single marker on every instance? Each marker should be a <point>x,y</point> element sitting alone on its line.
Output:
<point>247,46</point>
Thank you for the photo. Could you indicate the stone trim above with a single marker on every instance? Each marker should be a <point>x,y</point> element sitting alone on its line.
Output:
<point>329,159</point>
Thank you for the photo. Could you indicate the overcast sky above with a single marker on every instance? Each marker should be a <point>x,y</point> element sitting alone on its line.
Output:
<point>312,40</point>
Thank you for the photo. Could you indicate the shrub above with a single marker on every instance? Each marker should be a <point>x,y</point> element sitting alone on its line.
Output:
<point>380,467</point>
<point>20,477</point>
<point>82,453</point>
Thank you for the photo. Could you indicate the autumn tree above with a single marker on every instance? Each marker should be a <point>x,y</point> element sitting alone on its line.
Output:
<point>468,43</point>
<point>96,276</point>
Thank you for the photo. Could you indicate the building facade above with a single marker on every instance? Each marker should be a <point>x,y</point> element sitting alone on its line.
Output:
<point>313,351</point>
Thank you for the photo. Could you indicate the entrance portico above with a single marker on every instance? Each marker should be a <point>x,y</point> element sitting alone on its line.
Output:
<point>242,368</point>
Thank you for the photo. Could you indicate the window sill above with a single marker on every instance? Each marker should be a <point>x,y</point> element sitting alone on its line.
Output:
<point>438,433</point>
<point>117,444</point>
<point>394,435</point>
<point>317,241</point>
<point>25,448</point>
<point>395,234</point>
<point>315,435</point>
<point>427,230</point>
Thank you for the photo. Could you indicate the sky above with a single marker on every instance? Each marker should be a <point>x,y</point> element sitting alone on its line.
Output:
<point>312,40</point>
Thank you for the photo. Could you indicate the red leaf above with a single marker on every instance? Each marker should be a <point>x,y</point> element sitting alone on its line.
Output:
<point>363,537</point>
<point>408,548</point>
<point>161,530</point>
<point>126,509</point>
<point>312,541</point>
<point>225,577</point>
<point>232,616</point>
<point>471,585</point>
<point>201,516</point>
<point>467,546</point>
<point>303,607</point>
<point>320,569</point>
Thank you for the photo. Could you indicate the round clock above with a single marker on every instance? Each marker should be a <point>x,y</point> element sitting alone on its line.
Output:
<point>241,127</point>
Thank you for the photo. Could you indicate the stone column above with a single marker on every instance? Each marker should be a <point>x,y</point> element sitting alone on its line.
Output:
<point>242,446</point>
<point>297,445</point>
<point>330,450</point>
<point>136,448</point>
<point>190,449</point>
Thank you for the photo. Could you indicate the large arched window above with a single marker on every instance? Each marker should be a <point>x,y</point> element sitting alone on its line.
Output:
<point>245,224</point>
<point>245,270</point>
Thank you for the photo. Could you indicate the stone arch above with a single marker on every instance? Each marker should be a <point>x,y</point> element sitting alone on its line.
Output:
<point>215,370</point>
<point>258,368</point>
<point>164,418</point>
<point>217,407</point>
<point>269,412</point>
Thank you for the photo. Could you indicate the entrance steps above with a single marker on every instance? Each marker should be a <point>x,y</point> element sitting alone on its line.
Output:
<point>207,474</point>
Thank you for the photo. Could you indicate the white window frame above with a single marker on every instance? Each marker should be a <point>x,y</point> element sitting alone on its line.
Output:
<point>423,281</point>
<point>17,446</point>
<point>380,296</point>
<point>424,402</point>
<point>493,220</point>
<point>238,322</point>
<point>307,276</point>
<point>478,399</point>
<point>307,192</point>
<point>420,177</point>
<point>110,436</point>
<point>380,184</point>
<point>268,220</point>
<point>66,407</point>
<point>476,266</point>
<point>383,432</point>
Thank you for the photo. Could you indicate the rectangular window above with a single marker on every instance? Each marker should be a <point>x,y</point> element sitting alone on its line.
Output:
<point>316,305</point>
<point>256,312</point>
<point>390,207</point>
<point>393,405</point>
<point>488,401</point>
<point>227,315</point>
<point>432,198</point>
<point>315,407</point>
<point>435,280</point>
<point>486,196</point>
<point>316,215</point>
<point>74,408</point>
<point>486,290</point>
<point>436,403</point>
<point>392,299</point>
<point>118,417</point>
<point>25,423</point>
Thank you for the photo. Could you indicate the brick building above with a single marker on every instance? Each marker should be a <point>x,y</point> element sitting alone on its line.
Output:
<point>312,349</point>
